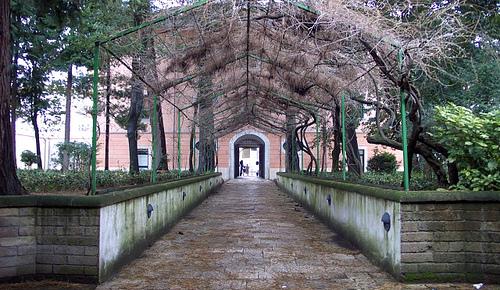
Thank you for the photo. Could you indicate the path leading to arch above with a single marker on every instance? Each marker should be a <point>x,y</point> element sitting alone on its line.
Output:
<point>250,235</point>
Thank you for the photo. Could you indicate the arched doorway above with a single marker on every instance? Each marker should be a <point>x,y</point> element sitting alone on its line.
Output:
<point>254,141</point>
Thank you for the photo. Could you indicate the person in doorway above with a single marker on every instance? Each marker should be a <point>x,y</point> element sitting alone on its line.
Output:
<point>248,169</point>
<point>241,167</point>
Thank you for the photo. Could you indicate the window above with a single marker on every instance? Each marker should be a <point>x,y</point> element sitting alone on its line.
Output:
<point>362,159</point>
<point>143,156</point>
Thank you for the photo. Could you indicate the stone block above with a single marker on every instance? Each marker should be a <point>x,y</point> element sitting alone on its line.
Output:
<point>449,236</point>
<point>91,231</point>
<point>91,251</point>
<point>68,270</point>
<point>68,240</point>
<point>89,221</point>
<point>45,249</point>
<point>17,241</point>
<point>16,260</point>
<point>409,268</point>
<point>82,260</point>
<point>409,226</point>
<point>70,231</point>
<point>43,268</point>
<point>491,268</point>
<point>416,236</point>
<point>26,250</point>
<point>27,231</point>
<point>450,257</point>
<point>433,267</point>
<point>415,247</point>
<point>43,211</point>
<point>9,221</point>
<point>7,272</point>
<point>473,247</point>
<point>8,251</point>
<point>27,211</point>
<point>9,211</point>
<point>484,258</point>
<point>69,250</point>
<point>51,259</point>
<point>28,269</point>
<point>90,271</point>
<point>73,220</point>
<point>416,257</point>
<point>12,231</point>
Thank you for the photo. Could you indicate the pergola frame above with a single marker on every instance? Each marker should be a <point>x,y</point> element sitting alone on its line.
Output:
<point>99,45</point>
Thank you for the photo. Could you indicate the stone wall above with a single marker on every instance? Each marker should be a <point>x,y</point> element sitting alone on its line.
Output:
<point>17,242</point>
<point>437,236</point>
<point>356,216</point>
<point>74,237</point>
<point>67,243</point>
<point>450,241</point>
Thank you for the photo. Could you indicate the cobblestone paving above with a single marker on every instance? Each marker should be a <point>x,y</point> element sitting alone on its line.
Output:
<point>252,236</point>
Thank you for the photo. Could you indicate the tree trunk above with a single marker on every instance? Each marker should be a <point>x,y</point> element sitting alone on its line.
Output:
<point>324,141</point>
<point>292,160</point>
<point>34,122</point>
<point>353,160</point>
<point>108,116</point>
<point>163,142</point>
<point>337,136</point>
<point>136,103</point>
<point>9,183</point>
<point>191,141</point>
<point>67,124</point>
<point>14,98</point>
<point>206,160</point>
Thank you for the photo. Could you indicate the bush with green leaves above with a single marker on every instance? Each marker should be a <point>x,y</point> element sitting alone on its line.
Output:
<point>78,154</point>
<point>28,158</point>
<point>472,141</point>
<point>419,180</point>
<point>382,162</point>
<point>56,181</point>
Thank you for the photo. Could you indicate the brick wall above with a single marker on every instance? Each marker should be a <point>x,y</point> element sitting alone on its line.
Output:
<point>450,241</point>
<point>49,242</point>
<point>17,242</point>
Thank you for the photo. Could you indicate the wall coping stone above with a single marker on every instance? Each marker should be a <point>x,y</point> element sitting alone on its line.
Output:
<point>96,201</point>
<point>402,196</point>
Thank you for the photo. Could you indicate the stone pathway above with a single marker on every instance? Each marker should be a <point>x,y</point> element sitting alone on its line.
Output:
<point>251,236</point>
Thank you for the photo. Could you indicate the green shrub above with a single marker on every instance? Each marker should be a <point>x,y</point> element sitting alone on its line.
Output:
<point>78,155</point>
<point>54,181</point>
<point>419,180</point>
<point>472,141</point>
<point>28,158</point>
<point>382,162</point>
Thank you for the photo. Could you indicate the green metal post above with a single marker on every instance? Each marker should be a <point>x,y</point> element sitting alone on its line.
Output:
<point>95,94</point>
<point>179,142</point>
<point>154,133</point>
<point>194,151</point>
<point>301,158</point>
<point>404,133</point>
<point>317,144</point>
<point>344,161</point>
<point>294,152</point>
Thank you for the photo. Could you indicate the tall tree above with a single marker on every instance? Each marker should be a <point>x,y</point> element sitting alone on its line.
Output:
<point>9,183</point>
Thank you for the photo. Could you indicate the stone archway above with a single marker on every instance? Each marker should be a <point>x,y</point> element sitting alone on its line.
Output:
<point>249,138</point>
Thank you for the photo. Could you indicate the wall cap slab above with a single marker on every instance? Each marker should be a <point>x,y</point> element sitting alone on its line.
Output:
<point>401,196</point>
<point>96,201</point>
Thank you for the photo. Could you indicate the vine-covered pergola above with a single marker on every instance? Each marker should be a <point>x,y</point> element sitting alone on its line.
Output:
<point>281,66</point>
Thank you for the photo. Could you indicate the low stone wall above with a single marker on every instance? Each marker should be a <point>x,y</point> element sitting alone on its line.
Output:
<point>433,236</point>
<point>88,238</point>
